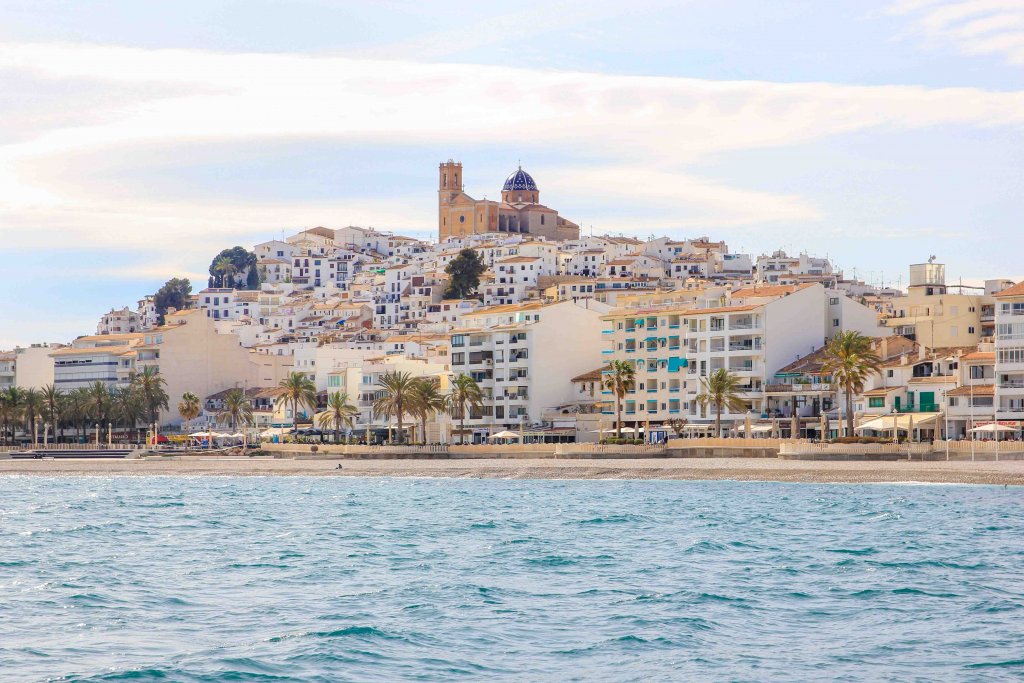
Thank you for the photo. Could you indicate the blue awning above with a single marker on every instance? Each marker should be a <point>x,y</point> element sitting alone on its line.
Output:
<point>674,364</point>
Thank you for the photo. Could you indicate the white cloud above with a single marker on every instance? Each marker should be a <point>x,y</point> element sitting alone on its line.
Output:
<point>654,126</point>
<point>974,27</point>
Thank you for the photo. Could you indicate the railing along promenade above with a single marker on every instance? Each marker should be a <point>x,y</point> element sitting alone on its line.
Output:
<point>67,447</point>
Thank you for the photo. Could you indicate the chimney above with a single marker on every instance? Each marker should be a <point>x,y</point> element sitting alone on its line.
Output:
<point>885,348</point>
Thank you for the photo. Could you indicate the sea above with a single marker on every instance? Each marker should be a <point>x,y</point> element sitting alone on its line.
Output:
<point>395,579</point>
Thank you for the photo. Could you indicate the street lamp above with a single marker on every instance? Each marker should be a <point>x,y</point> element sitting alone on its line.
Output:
<point>895,431</point>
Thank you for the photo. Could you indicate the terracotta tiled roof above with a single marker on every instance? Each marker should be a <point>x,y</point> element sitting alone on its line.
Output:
<point>975,390</point>
<point>1016,290</point>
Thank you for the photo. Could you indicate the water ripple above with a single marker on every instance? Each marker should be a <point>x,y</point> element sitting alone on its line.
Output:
<point>301,579</point>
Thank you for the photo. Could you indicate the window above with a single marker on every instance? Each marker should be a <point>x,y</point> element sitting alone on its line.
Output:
<point>970,330</point>
<point>876,402</point>
<point>333,381</point>
<point>834,301</point>
<point>952,401</point>
<point>835,322</point>
<point>889,373</point>
<point>462,219</point>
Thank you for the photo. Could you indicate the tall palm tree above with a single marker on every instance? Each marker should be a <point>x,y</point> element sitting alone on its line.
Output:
<point>396,398</point>
<point>14,399</point>
<point>620,378</point>
<point>225,268</point>
<point>426,401</point>
<point>721,390</point>
<point>150,387</point>
<point>53,401</point>
<point>340,413</point>
<point>237,409</point>
<point>99,402</point>
<point>33,408</point>
<point>299,390</point>
<point>189,407</point>
<point>465,395</point>
<point>77,410</point>
<point>850,360</point>
<point>126,407</point>
<point>9,413</point>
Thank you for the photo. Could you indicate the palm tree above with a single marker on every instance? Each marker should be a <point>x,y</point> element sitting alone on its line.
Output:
<point>396,398</point>
<point>237,409</point>
<point>53,401</point>
<point>189,407</point>
<point>77,409</point>
<point>620,378</point>
<point>225,268</point>
<point>426,401</point>
<point>33,409</point>
<point>721,390</point>
<point>150,387</point>
<point>465,395</point>
<point>9,412</point>
<point>340,413</point>
<point>126,407</point>
<point>14,401</point>
<point>850,360</point>
<point>99,402</point>
<point>298,390</point>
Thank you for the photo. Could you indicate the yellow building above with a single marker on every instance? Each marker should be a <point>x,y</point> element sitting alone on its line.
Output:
<point>935,316</point>
<point>518,212</point>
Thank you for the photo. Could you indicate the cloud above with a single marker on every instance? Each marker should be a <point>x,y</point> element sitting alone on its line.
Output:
<point>168,99</point>
<point>974,27</point>
<point>701,201</point>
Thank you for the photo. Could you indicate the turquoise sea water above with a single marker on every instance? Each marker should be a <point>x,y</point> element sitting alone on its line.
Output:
<point>338,579</point>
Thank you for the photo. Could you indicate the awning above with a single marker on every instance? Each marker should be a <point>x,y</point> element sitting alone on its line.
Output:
<point>674,364</point>
<point>504,435</point>
<point>902,421</point>
<point>991,428</point>
<point>755,429</point>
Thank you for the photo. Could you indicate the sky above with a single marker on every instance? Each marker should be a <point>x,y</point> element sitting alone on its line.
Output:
<point>139,138</point>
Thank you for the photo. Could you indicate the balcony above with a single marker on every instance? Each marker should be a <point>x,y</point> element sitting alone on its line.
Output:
<point>921,408</point>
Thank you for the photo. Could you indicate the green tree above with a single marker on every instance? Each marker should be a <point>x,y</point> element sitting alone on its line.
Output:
<point>126,407</point>
<point>99,401</point>
<point>33,408</point>
<point>77,410</point>
<point>189,407</point>
<point>427,400</point>
<point>850,361</point>
<point>150,388</point>
<point>465,394</point>
<point>11,405</point>
<point>396,398</point>
<point>237,409</point>
<point>465,271</point>
<point>339,413</point>
<point>174,294</point>
<point>53,404</point>
<point>235,267</point>
<point>720,390</point>
<point>299,390</point>
<point>619,378</point>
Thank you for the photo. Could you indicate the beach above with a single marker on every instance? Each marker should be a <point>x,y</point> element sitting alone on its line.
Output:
<point>741,469</point>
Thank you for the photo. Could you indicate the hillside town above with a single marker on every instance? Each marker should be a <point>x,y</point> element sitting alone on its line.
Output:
<point>533,322</point>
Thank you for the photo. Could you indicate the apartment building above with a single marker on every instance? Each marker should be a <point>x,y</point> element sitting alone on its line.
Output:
<point>938,315</point>
<point>1008,394</point>
<point>524,358</point>
<point>674,345</point>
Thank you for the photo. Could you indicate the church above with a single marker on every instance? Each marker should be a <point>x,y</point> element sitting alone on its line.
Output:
<point>518,212</point>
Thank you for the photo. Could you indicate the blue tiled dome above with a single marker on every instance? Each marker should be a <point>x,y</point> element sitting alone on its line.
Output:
<point>520,180</point>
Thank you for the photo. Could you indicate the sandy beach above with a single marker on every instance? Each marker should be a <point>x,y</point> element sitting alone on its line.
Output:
<point>746,469</point>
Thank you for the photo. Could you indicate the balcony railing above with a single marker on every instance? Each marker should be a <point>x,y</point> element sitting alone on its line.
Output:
<point>921,408</point>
